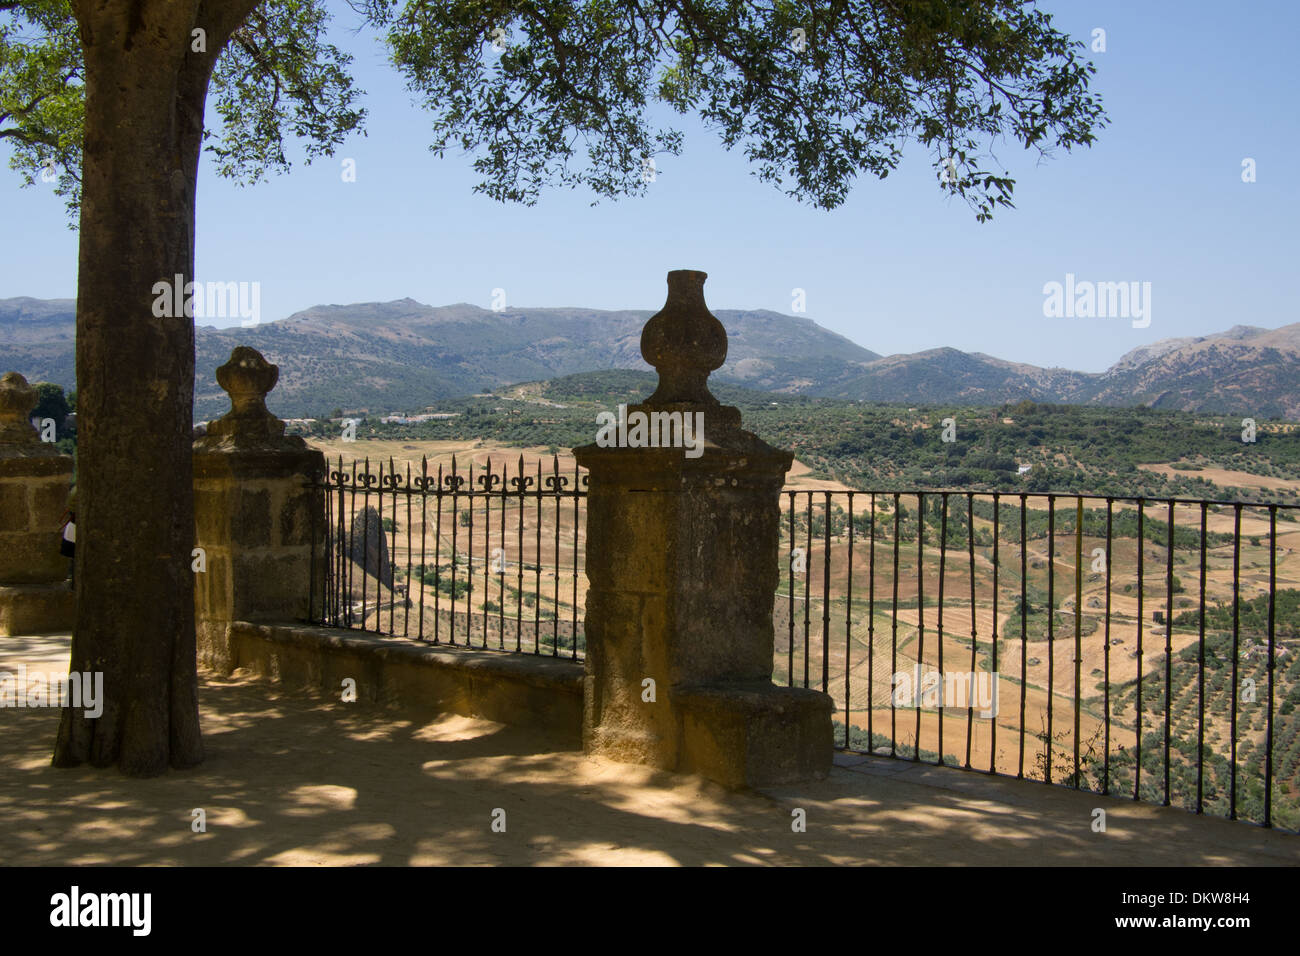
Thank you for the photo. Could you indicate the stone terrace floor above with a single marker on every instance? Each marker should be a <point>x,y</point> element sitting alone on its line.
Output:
<point>301,780</point>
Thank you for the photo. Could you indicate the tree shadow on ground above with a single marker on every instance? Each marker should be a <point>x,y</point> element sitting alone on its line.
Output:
<point>294,778</point>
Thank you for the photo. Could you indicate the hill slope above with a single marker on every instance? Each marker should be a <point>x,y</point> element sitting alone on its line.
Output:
<point>1249,370</point>
<point>388,356</point>
<point>402,354</point>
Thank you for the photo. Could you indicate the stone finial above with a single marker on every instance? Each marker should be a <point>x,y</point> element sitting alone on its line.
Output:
<point>17,399</point>
<point>684,341</point>
<point>247,378</point>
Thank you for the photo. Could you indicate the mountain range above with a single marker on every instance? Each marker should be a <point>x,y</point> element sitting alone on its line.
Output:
<point>403,355</point>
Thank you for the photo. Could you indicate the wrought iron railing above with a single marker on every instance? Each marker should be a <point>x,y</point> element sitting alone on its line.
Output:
<point>1143,647</point>
<point>488,560</point>
<point>1017,634</point>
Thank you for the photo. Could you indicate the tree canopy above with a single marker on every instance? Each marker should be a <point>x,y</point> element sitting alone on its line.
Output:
<point>564,94</point>
<point>814,93</point>
<point>278,79</point>
<point>51,403</point>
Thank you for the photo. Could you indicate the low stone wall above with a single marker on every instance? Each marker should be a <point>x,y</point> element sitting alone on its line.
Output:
<point>35,595</point>
<point>417,679</point>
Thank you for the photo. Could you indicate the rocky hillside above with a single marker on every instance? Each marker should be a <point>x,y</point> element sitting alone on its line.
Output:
<point>403,355</point>
<point>1249,370</point>
<point>397,355</point>
<point>1246,370</point>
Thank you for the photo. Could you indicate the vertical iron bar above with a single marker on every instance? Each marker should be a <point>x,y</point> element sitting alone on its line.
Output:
<point>920,616</point>
<point>871,625</point>
<point>365,550</point>
<point>501,579</point>
<point>336,549</point>
<point>519,564</point>
<point>406,619</point>
<point>1078,627</point>
<point>1200,678</point>
<point>455,550</point>
<point>573,616</point>
<point>501,568</point>
<point>392,554</point>
<point>424,533</point>
<point>807,585</point>
<point>1169,637</point>
<point>1272,602</point>
<point>390,542</point>
<point>1105,771</point>
<point>555,620</point>
<point>537,573</point>
<point>893,638</point>
<point>329,603</point>
<point>826,593</point>
<point>437,561</point>
<point>334,515</point>
<point>344,603</point>
<point>487,547</point>
<point>943,561</point>
<point>344,546</point>
<point>327,599</point>
<point>1141,588</point>
<point>469,571</point>
<point>406,608</point>
<point>326,496</point>
<point>326,545</point>
<point>970,560</point>
<point>993,678</point>
<point>469,560</point>
<point>789,560</point>
<point>1024,633</point>
<point>1051,628</point>
<point>1236,633</point>
<point>351,543</point>
<point>848,634</point>
<point>311,567</point>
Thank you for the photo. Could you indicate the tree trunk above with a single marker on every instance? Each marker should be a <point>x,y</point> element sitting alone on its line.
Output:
<point>145,92</point>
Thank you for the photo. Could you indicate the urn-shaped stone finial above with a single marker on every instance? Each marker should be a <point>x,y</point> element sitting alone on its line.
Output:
<point>684,341</point>
<point>247,378</point>
<point>17,399</point>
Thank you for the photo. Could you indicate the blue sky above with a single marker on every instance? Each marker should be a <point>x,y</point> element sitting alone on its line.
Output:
<point>1192,89</point>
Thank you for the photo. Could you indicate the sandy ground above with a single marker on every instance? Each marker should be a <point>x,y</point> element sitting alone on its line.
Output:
<point>306,781</point>
<point>1228,478</point>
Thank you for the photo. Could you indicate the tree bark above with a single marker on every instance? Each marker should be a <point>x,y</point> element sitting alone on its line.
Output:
<point>145,92</point>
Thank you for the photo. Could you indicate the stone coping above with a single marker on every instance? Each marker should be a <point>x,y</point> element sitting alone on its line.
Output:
<point>531,668</point>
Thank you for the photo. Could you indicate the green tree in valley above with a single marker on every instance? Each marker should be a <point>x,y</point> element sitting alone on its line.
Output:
<point>51,403</point>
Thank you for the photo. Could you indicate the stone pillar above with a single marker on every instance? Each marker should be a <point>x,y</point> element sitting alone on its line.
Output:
<point>682,565</point>
<point>35,595</point>
<point>255,513</point>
